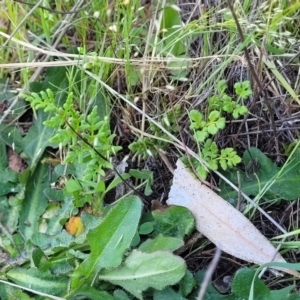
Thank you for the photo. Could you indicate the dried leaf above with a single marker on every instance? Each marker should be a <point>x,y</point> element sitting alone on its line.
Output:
<point>15,162</point>
<point>75,226</point>
<point>220,222</point>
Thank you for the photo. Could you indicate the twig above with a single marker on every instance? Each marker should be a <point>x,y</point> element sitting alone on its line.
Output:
<point>208,275</point>
<point>188,244</point>
<point>238,206</point>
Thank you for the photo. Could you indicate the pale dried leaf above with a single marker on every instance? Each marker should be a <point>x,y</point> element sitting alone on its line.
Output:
<point>220,222</point>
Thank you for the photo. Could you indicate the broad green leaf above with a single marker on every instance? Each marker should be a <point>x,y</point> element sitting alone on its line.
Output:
<point>121,295</point>
<point>161,242</point>
<point>187,283</point>
<point>71,169</point>
<point>51,211</point>
<point>109,240</point>
<point>93,294</point>
<point>54,243</point>
<point>284,293</point>
<point>35,202</point>
<point>56,239</point>
<point>171,30</point>
<point>171,18</point>
<point>174,221</point>
<point>167,294</point>
<point>66,210</point>
<point>37,255</point>
<point>282,182</point>
<point>8,292</point>
<point>146,228</point>
<point>8,178</point>
<point>242,283</point>
<point>11,136</point>
<point>54,79</point>
<point>101,101</point>
<point>61,266</point>
<point>40,281</point>
<point>91,221</point>
<point>141,271</point>
<point>10,211</point>
<point>37,138</point>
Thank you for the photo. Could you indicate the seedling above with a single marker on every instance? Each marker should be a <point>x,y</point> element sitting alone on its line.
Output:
<point>219,106</point>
